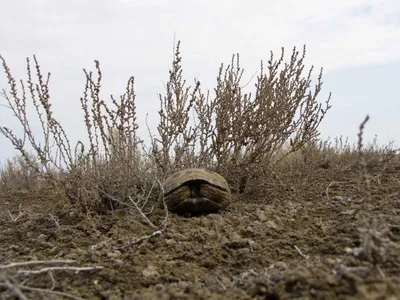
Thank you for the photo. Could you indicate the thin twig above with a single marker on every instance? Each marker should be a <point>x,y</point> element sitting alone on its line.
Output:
<point>36,262</point>
<point>146,237</point>
<point>141,213</point>
<point>301,253</point>
<point>14,288</point>
<point>76,269</point>
<point>9,107</point>
<point>44,291</point>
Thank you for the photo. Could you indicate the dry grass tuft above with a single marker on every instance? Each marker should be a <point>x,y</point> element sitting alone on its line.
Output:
<point>374,238</point>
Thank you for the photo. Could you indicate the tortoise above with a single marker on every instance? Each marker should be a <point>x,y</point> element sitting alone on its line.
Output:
<point>196,191</point>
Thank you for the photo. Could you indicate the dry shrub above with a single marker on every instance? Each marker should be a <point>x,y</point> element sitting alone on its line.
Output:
<point>112,164</point>
<point>331,169</point>
<point>109,165</point>
<point>338,154</point>
<point>234,133</point>
<point>17,175</point>
<point>375,236</point>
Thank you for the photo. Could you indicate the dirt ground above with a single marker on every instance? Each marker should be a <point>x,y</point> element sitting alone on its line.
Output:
<point>288,243</point>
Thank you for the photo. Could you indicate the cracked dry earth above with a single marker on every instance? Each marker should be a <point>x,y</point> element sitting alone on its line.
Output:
<point>279,245</point>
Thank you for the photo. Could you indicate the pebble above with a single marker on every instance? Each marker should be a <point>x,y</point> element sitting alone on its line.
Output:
<point>42,237</point>
<point>150,271</point>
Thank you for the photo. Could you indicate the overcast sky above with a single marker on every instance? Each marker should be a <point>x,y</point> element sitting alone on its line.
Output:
<point>356,42</point>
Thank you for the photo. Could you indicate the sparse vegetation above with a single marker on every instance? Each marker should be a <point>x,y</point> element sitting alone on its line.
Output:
<point>229,132</point>
<point>310,218</point>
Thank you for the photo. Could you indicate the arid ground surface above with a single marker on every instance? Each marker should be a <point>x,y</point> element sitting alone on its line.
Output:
<point>288,242</point>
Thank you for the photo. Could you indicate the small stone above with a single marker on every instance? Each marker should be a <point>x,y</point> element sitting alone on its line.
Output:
<point>235,236</point>
<point>114,254</point>
<point>261,215</point>
<point>271,224</point>
<point>252,244</point>
<point>159,287</point>
<point>331,261</point>
<point>53,250</point>
<point>348,212</point>
<point>170,241</point>
<point>42,237</point>
<point>14,247</point>
<point>280,265</point>
<point>150,271</point>
<point>223,240</point>
<point>226,281</point>
<point>210,281</point>
<point>244,251</point>
<point>184,286</point>
<point>118,261</point>
<point>80,252</point>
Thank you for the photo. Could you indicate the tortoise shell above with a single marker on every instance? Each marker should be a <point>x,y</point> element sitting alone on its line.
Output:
<point>196,191</point>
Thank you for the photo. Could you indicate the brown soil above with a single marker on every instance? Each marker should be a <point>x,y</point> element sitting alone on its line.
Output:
<point>283,244</point>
